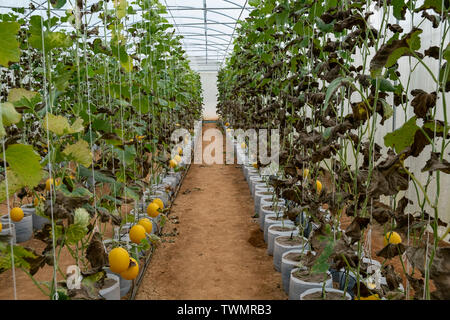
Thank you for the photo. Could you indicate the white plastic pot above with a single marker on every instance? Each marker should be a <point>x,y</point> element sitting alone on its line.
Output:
<point>264,210</point>
<point>287,265</point>
<point>274,218</point>
<point>314,290</point>
<point>38,221</point>
<point>279,249</point>
<point>259,194</point>
<point>254,180</point>
<point>272,234</point>
<point>9,230</point>
<point>24,228</point>
<point>297,286</point>
<point>113,292</point>
<point>125,285</point>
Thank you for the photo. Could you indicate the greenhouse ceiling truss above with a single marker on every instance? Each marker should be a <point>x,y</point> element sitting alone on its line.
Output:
<point>207,26</point>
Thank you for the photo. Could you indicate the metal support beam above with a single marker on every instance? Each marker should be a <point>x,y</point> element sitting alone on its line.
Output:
<point>205,12</point>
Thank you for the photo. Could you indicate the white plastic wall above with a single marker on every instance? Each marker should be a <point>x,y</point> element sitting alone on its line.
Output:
<point>209,86</point>
<point>420,79</point>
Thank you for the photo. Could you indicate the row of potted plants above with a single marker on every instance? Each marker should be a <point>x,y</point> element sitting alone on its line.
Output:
<point>358,91</point>
<point>86,123</point>
<point>288,241</point>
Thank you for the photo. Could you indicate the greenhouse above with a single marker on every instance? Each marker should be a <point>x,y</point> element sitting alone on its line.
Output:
<point>224,150</point>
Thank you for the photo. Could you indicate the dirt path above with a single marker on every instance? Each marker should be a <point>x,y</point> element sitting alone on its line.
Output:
<point>219,252</point>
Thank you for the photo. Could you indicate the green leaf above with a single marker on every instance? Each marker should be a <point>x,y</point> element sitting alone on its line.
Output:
<point>9,114</point>
<point>446,53</point>
<point>22,97</point>
<point>121,8</point>
<point>126,156</point>
<point>51,39</point>
<point>58,4</point>
<point>9,45</point>
<point>403,137</point>
<point>267,58</point>
<point>399,7</point>
<point>321,265</point>
<point>384,85</point>
<point>14,185</point>
<point>75,233</point>
<point>327,133</point>
<point>298,28</point>
<point>25,163</point>
<point>436,5</point>
<point>332,88</point>
<point>323,26</point>
<point>79,152</point>
<point>99,177</point>
<point>131,194</point>
<point>60,125</point>
<point>127,65</point>
<point>254,3</point>
<point>437,126</point>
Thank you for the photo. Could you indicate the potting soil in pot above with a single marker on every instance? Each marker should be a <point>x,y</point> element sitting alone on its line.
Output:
<point>329,296</point>
<point>286,243</point>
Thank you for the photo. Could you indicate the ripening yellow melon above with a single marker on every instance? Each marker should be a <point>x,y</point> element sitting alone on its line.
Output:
<point>152,210</point>
<point>1,227</point>
<point>173,163</point>
<point>159,202</point>
<point>137,233</point>
<point>255,165</point>
<point>49,183</point>
<point>392,237</point>
<point>119,260</point>
<point>227,124</point>
<point>132,272</point>
<point>147,224</point>
<point>16,214</point>
<point>37,200</point>
<point>371,297</point>
<point>177,158</point>
<point>243,145</point>
<point>318,186</point>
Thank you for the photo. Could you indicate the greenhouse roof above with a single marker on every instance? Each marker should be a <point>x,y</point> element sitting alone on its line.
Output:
<point>208,26</point>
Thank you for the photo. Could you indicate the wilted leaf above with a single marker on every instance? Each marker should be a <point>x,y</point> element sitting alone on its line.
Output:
<point>9,114</point>
<point>435,164</point>
<point>60,125</point>
<point>391,250</point>
<point>79,152</point>
<point>389,53</point>
<point>423,102</point>
<point>355,228</point>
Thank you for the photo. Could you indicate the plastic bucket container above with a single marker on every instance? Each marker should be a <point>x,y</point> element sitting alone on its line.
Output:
<point>24,228</point>
<point>288,264</point>
<point>297,286</point>
<point>112,292</point>
<point>282,245</point>
<point>327,290</point>
<point>9,230</point>
<point>273,232</point>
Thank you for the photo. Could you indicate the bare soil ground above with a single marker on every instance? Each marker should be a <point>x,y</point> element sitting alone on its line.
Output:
<point>219,252</point>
